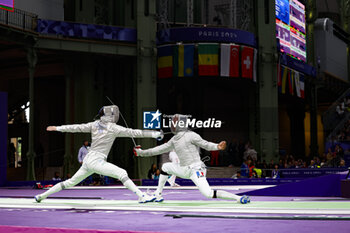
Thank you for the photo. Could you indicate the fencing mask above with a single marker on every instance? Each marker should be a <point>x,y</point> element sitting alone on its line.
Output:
<point>178,123</point>
<point>109,113</point>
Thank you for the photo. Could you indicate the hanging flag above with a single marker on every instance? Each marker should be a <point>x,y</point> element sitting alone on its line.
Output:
<point>302,85</point>
<point>229,60</point>
<point>284,78</point>
<point>165,61</point>
<point>291,82</point>
<point>247,57</point>
<point>183,60</point>
<point>279,77</point>
<point>297,83</point>
<point>208,62</point>
<point>255,62</point>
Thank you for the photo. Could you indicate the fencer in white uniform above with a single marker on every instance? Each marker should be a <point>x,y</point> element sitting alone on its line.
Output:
<point>103,133</point>
<point>185,143</point>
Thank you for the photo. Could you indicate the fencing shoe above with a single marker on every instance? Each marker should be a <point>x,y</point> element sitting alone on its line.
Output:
<point>146,198</point>
<point>244,199</point>
<point>38,198</point>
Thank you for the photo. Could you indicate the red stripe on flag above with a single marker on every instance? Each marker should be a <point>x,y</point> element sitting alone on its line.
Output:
<point>165,72</point>
<point>208,70</point>
<point>234,61</point>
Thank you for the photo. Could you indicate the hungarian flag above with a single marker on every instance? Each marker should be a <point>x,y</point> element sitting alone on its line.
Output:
<point>247,61</point>
<point>183,60</point>
<point>165,61</point>
<point>208,62</point>
<point>229,62</point>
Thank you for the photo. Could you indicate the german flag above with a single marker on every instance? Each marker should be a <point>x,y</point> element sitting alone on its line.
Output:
<point>165,61</point>
<point>208,59</point>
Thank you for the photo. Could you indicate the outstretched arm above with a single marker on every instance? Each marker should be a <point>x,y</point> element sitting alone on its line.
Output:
<point>121,131</point>
<point>166,147</point>
<point>209,146</point>
<point>77,128</point>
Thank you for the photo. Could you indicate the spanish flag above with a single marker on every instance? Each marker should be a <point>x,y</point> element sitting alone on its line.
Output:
<point>165,61</point>
<point>183,60</point>
<point>208,59</point>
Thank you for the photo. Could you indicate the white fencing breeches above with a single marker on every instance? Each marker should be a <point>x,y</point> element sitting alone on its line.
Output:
<point>197,175</point>
<point>94,162</point>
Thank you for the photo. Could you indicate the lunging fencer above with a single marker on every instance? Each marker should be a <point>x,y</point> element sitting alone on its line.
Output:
<point>185,143</point>
<point>103,133</point>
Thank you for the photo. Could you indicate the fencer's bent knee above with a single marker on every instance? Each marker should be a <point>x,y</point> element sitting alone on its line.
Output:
<point>207,193</point>
<point>165,168</point>
<point>123,176</point>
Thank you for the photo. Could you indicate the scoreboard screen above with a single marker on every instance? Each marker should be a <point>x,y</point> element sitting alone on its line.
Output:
<point>7,5</point>
<point>290,28</point>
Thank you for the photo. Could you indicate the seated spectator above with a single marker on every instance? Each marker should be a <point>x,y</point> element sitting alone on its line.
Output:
<point>254,174</point>
<point>245,169</point>
<point>237,175</point>
<point>56,176</point>
<point>312,164</point>
<point>339,110</point>
<point>258,172</point>
<point>342,164</point>
<point>152,171</point>
<point>275,173</point>
<point>330,155</point>
<point>251,167</point>
<point>156,175</point>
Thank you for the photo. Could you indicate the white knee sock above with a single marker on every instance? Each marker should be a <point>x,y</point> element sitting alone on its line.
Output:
<point>56,188</point>
<point>161,182</point>
<point>132,187</point>
<point>226,195</point>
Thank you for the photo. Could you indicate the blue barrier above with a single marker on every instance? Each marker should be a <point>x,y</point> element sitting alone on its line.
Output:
<point>88,31</point>
<point>229,181</point>
<point>309,172</point>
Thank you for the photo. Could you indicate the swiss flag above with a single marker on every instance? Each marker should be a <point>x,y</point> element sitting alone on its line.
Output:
<point>247,62</point>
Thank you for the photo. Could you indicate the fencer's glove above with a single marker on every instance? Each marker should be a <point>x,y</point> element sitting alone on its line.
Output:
<point>137,150</point>
<point>159,135</point>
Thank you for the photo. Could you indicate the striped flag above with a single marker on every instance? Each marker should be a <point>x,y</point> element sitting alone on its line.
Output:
<point>291,82</point>
<point>208,62</point>
<point>284,78</point>
<point>297,83</point>
<point>183,60</point>
<point>165,61</point>
<point>302,85</point>
<point>247,59</point>
<point>229,60</point>
<point>279,77</point>
<point>255,64</point>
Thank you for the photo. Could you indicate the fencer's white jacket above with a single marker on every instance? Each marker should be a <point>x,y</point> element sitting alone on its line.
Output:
<point>103,134</point>
<point>185,145</point>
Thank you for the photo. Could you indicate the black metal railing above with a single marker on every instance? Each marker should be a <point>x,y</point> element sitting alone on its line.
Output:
<point>19,19</point>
